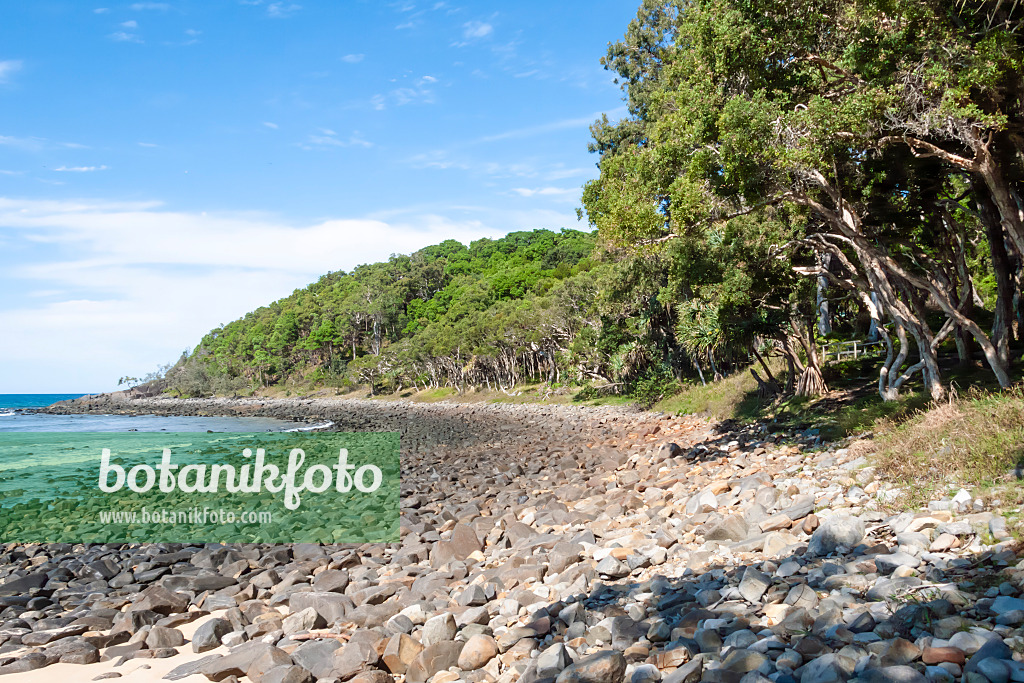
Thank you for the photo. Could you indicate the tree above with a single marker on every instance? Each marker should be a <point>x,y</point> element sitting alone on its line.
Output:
<point>747,106</point>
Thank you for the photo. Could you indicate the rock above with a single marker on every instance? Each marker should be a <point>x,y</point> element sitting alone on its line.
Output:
<point>359,654</point>
<point>437,657</point>
<point>837,530</point>
<point>266,662</point>
<point>331,606</point>
<point>690,672</point>
<point>74,651</point>
<point>644,673</point>
<point>995,670</point>
<point>218,668</point>
<point>743,661</point>
<point>331,581</point>
<point>372,676</point>
<point>893,674</point>
<point>753,585</point>
<point>705,501</point>
<point>899,652</point>
<point>439,629</point>
<point>993,647</point>
<point>399,653</point>
<point>316,656</point>
<point>776,522</point>
<point>304,620</point>
<point>612,568</point>
<point>937,655</point>
<point>971,643</point>
<point>887,564</point>
<point>27,662</point>
<point>161,636</point>
<point>463,543</point>
<point>962,500</point>
<point>828,668</point>
<point>601,667</point>
<point>1004,604</point>
<point>731,528</point>
<point>553,661</point>
<point>479,650</point>
<point>47,636</point>
<point>288,673</point>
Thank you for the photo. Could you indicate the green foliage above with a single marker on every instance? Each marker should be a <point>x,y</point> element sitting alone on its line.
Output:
<point>761,138</point>
<point>492,313</point>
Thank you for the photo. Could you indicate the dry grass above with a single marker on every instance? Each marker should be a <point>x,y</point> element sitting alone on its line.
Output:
<point>976,440</point>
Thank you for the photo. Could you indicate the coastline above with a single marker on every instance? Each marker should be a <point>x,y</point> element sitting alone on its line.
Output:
<point>420,424</point>
<point>545,544</point>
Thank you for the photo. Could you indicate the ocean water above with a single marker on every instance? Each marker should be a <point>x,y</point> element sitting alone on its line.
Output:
<point>16,416</point>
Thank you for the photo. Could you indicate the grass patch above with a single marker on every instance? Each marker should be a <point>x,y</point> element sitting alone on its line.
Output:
<point>734,397</point>
<point>976,440</point>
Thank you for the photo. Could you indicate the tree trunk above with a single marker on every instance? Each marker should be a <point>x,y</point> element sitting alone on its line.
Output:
<point>873,333</point>
<point>764,365</point>
<point>824,315</point>
<point>1003,274</point>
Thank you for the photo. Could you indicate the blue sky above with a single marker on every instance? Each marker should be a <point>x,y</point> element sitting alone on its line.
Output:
<point>167,167</point>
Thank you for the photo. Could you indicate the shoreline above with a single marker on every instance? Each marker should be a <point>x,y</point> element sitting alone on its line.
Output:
<point>548,544</point>
<point>420,424</point>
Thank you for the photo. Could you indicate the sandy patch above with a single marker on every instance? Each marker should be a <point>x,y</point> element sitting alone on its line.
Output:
<point>133,671</point>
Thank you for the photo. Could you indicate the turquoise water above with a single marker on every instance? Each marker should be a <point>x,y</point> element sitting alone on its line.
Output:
<point>11,401</point>
<point>13,418</point>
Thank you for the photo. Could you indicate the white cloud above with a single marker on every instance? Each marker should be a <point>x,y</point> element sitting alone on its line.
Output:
<point>101,10</point>
<point>281,10</point>
<point>32,143</point>
<point>476,29</point>
<point>270,124</point>
<point>402,96</point>
<point>545,191</point>
<point>130,24</point>
<point>192,32</point>
<point>4,172</point>
<point>148,144</point>
<point>353,59</point>
<point>146,282</point>
<point>122,37</point>
<point>563,173</point>
<point>356,140</point>
<point>329,138</point>
<point>159,6</point>
<point>428,79</point>
<point>9,67</point>
<point>581,123</point>
<point>81,169</point>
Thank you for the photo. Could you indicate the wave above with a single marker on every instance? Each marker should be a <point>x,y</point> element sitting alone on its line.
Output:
<point>311,428</point>
<point>7,413</point>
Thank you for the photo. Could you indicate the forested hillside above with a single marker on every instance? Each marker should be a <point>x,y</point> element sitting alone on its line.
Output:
<point>490,314</point>
<point>788,173</point>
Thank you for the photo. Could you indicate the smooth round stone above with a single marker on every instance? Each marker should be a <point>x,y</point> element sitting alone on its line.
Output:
<point>789,660</point>
<point>994,670</point>
<point>936,674</point>
<point>937,655</point>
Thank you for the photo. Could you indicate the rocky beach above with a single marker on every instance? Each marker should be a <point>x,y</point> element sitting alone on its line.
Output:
<point>548,544</point>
